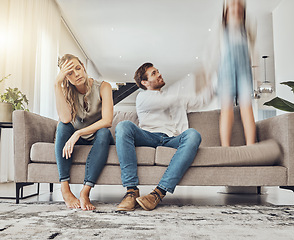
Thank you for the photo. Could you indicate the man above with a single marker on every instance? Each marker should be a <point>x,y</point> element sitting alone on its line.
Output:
<point>162,122</point>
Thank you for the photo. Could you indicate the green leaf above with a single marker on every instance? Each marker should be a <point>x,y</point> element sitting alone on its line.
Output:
<point>4,78</point>
<point>16,97</point>
<point>289,84</point>
<point>281,104</point>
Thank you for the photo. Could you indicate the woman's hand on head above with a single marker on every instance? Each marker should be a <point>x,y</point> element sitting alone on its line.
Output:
<point>65,69</point>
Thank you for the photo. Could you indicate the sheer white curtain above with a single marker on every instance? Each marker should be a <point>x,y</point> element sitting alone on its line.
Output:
<point>30,34</point>
<point>48,30</point>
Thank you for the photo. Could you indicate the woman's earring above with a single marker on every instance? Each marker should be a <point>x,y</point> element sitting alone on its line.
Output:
<point>67,85</point>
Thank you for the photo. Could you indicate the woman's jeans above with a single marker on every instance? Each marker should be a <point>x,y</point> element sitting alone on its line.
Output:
<point>128,136</point>
<point>97,156</point>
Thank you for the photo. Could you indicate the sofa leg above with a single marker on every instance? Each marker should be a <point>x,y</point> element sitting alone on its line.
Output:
<point>51,187</point>
<point>19,187</point>
<point>288,187</point>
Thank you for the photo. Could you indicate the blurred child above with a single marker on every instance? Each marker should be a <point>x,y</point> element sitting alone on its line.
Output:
<point>235,75</point>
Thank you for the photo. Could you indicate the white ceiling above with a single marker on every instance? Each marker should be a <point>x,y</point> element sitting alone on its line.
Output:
<point>119,35</point>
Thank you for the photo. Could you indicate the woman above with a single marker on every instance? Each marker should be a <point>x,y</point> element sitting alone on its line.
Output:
<point>235,76</point>
<point>85,110</point>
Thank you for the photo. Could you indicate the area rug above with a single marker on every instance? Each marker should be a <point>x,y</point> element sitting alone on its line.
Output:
<point>50,220</point>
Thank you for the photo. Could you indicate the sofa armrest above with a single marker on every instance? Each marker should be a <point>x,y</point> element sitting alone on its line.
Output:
<point>281,129</point>
<point>29,128</point>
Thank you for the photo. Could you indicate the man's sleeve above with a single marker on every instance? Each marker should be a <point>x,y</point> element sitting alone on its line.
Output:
<point>193,103</point>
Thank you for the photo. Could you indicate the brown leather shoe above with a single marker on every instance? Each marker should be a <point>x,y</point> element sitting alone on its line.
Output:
<point>129,201</point>
<point>150,201</point>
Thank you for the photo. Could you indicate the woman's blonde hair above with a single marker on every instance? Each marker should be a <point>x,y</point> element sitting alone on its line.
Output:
<point>69,90</point>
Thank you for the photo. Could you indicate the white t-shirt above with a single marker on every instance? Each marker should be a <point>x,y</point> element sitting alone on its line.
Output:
<point>166,112</point>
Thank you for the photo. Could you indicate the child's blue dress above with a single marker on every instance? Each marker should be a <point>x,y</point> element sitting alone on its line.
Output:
<point>235,73</point>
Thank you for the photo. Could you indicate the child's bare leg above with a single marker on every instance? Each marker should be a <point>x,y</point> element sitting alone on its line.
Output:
<point>248,123</point>
<point>226,124</point>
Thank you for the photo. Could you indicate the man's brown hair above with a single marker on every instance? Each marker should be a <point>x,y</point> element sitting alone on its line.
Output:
<point>140,75</point>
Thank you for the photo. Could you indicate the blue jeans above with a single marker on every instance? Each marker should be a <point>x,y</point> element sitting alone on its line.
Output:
<point>97,156</point>
<point>129,135</point>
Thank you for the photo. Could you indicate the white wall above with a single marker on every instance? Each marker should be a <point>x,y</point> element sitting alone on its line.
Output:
<point>92,70</point>
<point>67,44</point>
<point>283,19</point>
<point>265,46</point>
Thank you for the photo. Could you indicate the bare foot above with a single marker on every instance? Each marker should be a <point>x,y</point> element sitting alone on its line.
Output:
<point>86,205</point>
<point>70,200</point>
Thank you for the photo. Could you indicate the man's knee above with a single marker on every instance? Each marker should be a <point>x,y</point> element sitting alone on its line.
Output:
<point>193,136</point>
<point>124,128</point>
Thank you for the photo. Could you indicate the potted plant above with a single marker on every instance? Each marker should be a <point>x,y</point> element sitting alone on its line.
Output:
<point>281,103</point>
<point>12,99</point>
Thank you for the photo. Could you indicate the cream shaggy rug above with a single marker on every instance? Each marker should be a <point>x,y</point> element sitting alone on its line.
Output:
<point>54,221</point>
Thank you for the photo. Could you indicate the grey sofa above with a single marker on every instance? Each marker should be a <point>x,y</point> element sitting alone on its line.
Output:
<point>269,162</point>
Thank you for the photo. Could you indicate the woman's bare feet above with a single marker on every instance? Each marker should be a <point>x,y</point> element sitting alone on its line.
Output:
<point>86,205</point>
<point>70,200</point>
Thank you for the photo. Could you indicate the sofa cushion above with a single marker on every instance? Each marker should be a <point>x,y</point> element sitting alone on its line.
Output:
<point>45,153</point>
<point>119,116</point>
<point>207,124</point>
<point>264,153</point>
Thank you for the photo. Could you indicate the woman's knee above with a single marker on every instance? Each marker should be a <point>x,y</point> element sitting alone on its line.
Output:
<point>103,135</point>
<point>64,130</point>
<point>64,127</point>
